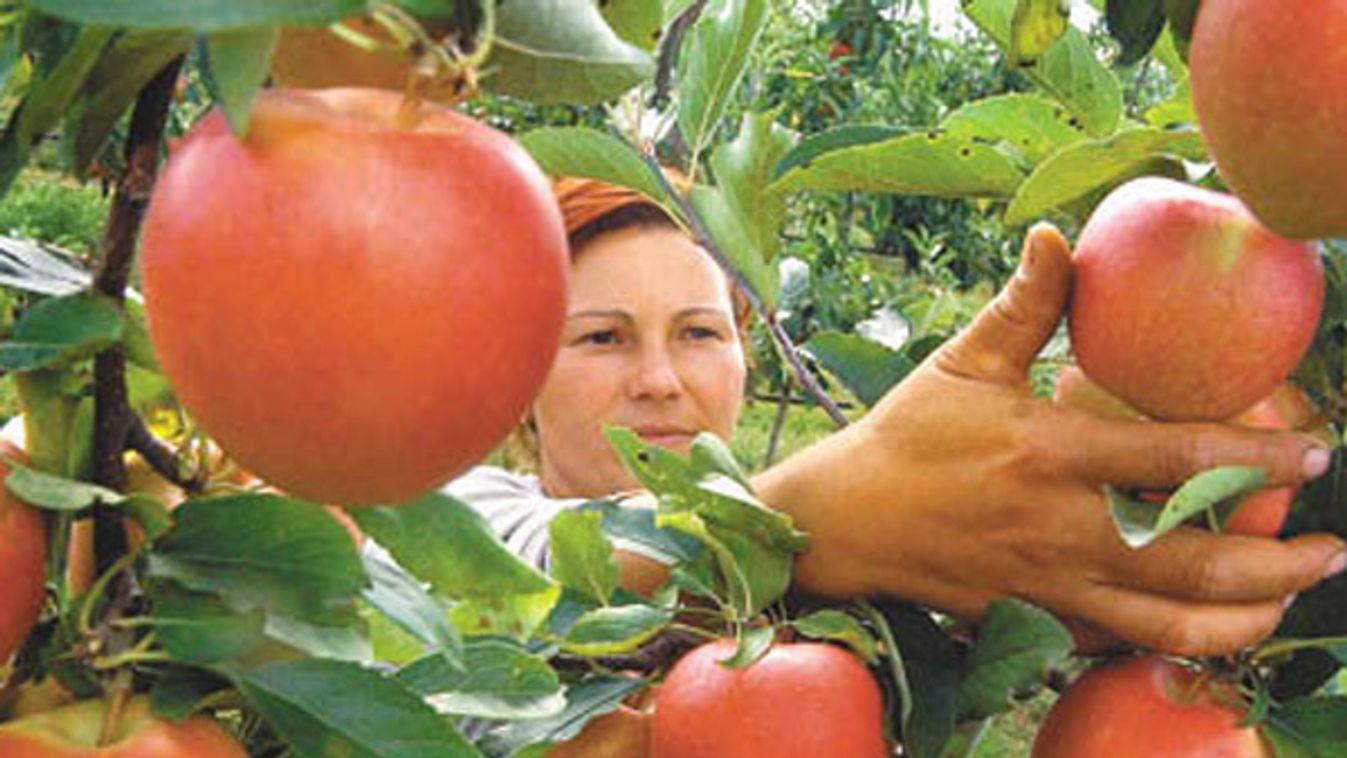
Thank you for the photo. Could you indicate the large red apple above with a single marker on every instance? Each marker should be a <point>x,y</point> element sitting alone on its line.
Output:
<point>1185,306</point>
<point>23,552</point>
<point>1270,89</point>
<point>801,700</point>
<point>355,307</point>
<point>72,732</point>
<point>1147,707</point>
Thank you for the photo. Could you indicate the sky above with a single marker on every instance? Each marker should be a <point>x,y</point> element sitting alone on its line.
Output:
<point>945,14</point>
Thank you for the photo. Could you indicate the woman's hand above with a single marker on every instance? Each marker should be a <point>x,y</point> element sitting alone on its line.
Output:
<point>961,487</point>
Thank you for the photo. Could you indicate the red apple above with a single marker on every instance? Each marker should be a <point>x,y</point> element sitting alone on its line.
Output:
<point>72,732</point>
<point>1270,89</point>
<point>23,552</point>
<point>1147,707</point>
<point>803,700</point>
<point>1184,306</point>
<point>355,301</point>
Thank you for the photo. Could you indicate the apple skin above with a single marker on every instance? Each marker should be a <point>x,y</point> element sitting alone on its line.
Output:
<point>356,311</point>
<point>800,700</point>
<point>1146,707</point>
<point>23,553</point>
<point>1270,91</point>
<point>72,732</point>
<point>1184,306</point>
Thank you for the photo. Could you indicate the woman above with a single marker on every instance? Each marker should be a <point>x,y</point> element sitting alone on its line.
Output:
<point>959,487</point>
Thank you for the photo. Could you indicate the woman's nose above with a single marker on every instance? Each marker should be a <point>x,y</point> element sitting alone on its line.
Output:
<point>655,375</point>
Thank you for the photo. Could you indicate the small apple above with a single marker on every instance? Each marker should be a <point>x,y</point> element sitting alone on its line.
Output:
<point>73,731</point>
<point>1147,707</point>
<point>800,700</point>
<point>23,553</point>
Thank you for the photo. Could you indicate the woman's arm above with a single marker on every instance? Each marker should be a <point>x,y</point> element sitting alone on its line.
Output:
<point>961,487</point>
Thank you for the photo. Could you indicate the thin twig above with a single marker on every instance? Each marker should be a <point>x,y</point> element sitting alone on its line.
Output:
<point>779,336</point>
<point>667,60</point>
<point>162,458</point>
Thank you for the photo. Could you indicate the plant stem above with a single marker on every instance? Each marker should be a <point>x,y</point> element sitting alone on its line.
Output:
<point>1277,648</point>
<point>112,409</point>
<point>779,336</point>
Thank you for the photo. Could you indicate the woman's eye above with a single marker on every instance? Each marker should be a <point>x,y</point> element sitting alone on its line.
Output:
<point>702,333</point>
<point>603,337</point>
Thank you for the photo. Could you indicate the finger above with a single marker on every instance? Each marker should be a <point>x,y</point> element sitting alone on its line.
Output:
<point>1154,454</point>
<point>1190,564</point>
<point>1004,339</point>
<point>1179,628</point>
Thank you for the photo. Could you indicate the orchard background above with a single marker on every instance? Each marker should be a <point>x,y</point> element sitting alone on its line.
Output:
<point>868,168</point>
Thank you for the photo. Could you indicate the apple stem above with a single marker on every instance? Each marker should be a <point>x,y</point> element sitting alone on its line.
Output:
<point>779,336</point>
<point>119,695</point>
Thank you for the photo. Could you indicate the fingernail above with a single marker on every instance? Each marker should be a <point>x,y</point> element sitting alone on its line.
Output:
<point>1336,565</point>
<point>1289,601</point>
<point>1315,463</point>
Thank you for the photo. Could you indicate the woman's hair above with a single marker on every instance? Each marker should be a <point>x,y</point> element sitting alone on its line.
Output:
<point>591,209</point>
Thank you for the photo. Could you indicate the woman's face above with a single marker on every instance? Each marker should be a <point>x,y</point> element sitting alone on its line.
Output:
<point>649,344</point>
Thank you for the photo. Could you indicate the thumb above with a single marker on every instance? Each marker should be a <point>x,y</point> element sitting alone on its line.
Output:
<point>1003,340</point>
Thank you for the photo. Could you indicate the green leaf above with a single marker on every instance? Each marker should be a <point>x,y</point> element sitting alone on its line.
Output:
<point>1036,25</point>
<point>636,21</point>
<point>56,493</point>
<point>711,63</point>
<point>736,241</point>
<point>1136,24</point>
<point>149,513</point>
<point>1175,111</point>
<point>1309,728</point>
<point>867,368</point>
<point>841,627</point>
<point>237,65</point>
<point>581,152</point>
<point>633,528</point>
<point>709,456</point>
<point>849,135</point>
<point>332,708</point>
<point>263,551</point>
<point>61,330</point>
<point>1068,70</point>
<point>743,170</point>
<point>448,544</point>
<point>934,164</point>
<point>180,691</point>
<point>518,615</point>
<point>1028,127</point>
<point>112,87</point>
<point>401,598</point>
<point>200,15</point>
<point>1182,15</point>
<point>1078,170</point>
<point>1141,523</point>
<point>586,700</point>
<point>201,629</point>
<point>753,644</point>
<point>925,661</point>
<point>582,557</point>
<point>615,630</point>
<point>48,99</point>
<point>1017,644</point>
<point>561,51</point>
<point>498,680</point>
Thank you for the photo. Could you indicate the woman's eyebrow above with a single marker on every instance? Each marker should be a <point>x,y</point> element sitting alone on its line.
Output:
<point>609,313</point>
<point>703,310</point>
